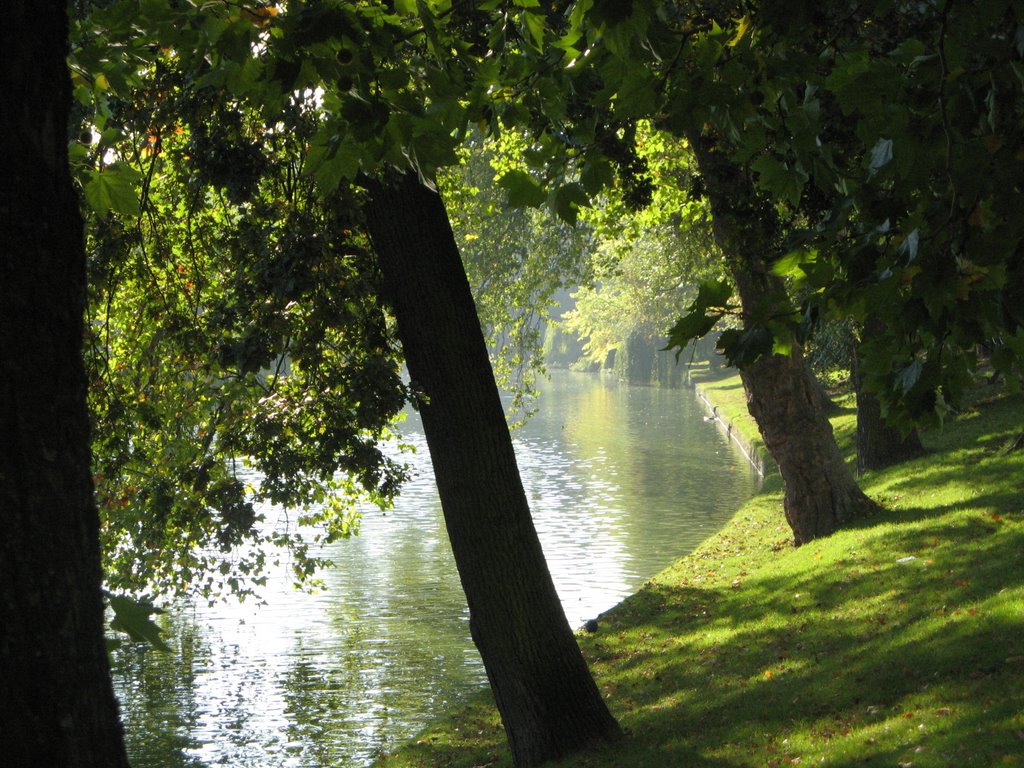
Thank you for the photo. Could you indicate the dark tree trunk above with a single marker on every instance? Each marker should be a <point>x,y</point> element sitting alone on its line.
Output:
<point>879,445</point>
<point>57,705</point>
<point>820,490</point>
<point>549,703</point>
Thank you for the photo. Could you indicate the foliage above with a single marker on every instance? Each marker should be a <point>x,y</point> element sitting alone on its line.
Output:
<point>132,617</point>
<point>516,260</point>
<point>870,148</point>
<point>868,144</point>
<point>638,285</point>
<point>649,259</point>
<point>235,313</point>
<point>233,322</point>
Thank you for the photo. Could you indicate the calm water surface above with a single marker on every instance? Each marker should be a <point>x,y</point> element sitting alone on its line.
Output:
<point>621,480</point>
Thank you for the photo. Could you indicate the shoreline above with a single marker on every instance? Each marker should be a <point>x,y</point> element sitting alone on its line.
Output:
<point>754,454</point>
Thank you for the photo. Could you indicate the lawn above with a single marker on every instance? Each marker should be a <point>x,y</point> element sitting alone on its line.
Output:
<point>896,642</point>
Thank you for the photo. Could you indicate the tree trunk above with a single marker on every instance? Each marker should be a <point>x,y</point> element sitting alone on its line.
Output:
<point>879,445</point>
<point>820,490</point>
<point>549,703</point>
<point>57,704</point>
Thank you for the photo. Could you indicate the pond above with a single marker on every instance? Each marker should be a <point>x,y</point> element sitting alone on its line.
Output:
<point>622,480</point>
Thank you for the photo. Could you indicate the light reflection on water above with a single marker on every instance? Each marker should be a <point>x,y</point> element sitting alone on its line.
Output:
<point>621,481</point>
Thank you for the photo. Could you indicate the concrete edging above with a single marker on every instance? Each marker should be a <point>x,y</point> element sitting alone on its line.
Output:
<point>755,455</point>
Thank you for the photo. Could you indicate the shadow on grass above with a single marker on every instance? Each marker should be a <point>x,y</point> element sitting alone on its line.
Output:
<point>898,641</point>
<point>854,662</point>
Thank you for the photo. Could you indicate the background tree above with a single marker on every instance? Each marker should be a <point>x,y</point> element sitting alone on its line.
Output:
<point>517,260</point>
<point>648,262</point>
<point>56,699</point>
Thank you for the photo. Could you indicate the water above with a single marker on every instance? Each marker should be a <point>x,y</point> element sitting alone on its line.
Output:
<point>621,480</point>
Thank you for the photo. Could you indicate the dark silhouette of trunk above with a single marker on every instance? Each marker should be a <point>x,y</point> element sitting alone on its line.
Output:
<point>57,705</point>
<point>879,445</point>
<point>549,703</point>
<point>820,490</point>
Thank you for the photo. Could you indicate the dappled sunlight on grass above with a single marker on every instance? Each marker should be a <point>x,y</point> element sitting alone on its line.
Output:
<point>896,642</point>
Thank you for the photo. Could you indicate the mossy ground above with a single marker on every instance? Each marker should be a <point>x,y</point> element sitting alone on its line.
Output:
<point>896,642</point>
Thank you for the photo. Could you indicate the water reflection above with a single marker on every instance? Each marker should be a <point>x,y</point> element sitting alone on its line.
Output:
<point>621,481</point>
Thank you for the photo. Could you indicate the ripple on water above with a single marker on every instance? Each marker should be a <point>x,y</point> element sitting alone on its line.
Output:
<point>621,481</point>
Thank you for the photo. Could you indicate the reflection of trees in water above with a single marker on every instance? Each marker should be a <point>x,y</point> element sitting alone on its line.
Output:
<point>157,695</point>
<point>315,704</point>
<point>675,480</point>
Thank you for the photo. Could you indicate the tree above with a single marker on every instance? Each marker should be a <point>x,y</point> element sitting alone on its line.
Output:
<point>549,703</point>
<point>56,699</point>
<point>870,146</point>
<point>647,263</point>
<point>393,90</point>
<point>889,223</point>
<point>233,325</point>
<point>879,444</point>
<point>678,67</point>
<point>820,491</point>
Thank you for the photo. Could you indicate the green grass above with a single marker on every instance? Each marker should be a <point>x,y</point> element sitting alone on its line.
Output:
<point>896,642</point>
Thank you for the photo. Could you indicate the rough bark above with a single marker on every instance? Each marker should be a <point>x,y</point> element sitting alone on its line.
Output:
<point>879,445</point>
<point>820,490</point>
<point>57,705</point>
<point>549,703</point>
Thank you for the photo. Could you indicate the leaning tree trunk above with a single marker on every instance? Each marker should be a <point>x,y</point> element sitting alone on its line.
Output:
<point>57,705</point>
<point>879,445</point>
<point>820,490</point>
<point>549,703</point>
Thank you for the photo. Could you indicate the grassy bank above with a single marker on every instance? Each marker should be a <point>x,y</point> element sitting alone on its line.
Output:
<point>897,642</point>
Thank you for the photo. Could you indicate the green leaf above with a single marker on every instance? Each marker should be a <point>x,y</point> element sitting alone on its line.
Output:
<point>568,200</point>
<point>881,154</point>
<point>909,245</point>
<point>694,325</point>
<point>793,263</point>
<point>744,347</point>
<point>536,26</point>
<point>782,345</point>
<point>523,190</point>
<point>713,293</point>
<point>597,174</point>
<point>742,27</point>
<point>330,165</point>
<point>114,188</point>
<point>132,617</point>
<point>909,376</point>
<point>784,183</point>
